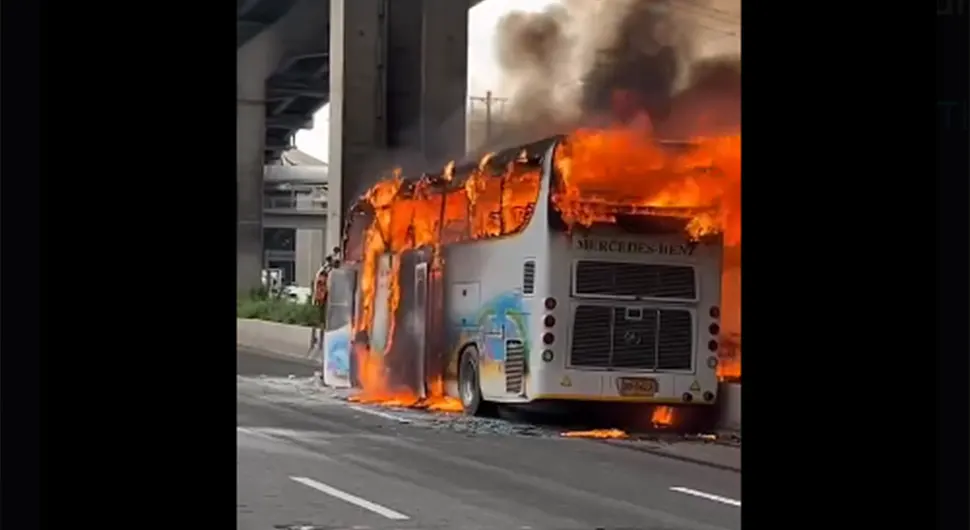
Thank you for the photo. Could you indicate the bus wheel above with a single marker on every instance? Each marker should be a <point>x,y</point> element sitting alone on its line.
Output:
<point>469,389</point>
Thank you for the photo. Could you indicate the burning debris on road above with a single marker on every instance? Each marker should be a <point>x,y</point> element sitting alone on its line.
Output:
<point>661,420</point>
<point>596,433</point>
<point>307,394</point>
<point>403,400</point>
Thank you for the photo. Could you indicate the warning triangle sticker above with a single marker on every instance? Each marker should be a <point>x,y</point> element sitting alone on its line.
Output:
<point>695,387</point>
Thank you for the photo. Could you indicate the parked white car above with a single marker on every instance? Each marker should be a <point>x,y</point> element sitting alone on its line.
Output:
<point>297,294</point>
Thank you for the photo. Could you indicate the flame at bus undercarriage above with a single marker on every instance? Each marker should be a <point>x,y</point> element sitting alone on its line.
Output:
<point>601,173</point>
<point>662,417</point>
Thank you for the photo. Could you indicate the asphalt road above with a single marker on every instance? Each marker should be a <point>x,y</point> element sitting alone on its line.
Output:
<point>309,460</point>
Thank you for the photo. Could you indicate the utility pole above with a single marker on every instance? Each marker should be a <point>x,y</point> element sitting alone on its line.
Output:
<point>489,100</point>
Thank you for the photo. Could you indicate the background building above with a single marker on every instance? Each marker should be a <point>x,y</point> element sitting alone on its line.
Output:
<point>295,216</point>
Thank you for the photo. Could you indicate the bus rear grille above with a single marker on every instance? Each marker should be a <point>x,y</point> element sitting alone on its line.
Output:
<point>514,366</point>
<point>610,278</point>
<point>638,339</point>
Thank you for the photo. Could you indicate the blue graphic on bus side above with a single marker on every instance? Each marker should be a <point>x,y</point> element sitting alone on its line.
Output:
<point>501,319</point>
<point>337,354</point>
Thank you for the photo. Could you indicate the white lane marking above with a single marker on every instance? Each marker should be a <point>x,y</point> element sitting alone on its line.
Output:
<point>282,434</point>
<point>352,499</point>
<point>708,496</point>
<point>380,414</point>
<point>271,432</point>
<point>252,432</point>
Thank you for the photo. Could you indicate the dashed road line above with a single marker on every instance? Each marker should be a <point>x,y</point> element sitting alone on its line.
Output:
<point>708,496</point>
<point>352,499</point>
<point>254,432</point>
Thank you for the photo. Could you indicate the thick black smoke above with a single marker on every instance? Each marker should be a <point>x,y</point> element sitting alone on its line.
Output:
<point>589,62</point>
<point>641,67</point>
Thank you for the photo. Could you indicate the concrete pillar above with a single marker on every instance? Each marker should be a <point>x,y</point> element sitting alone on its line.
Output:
<point>398,84</point>
<point>299,31</point>
<point>404,76</point>
<point>427,43</point>
<point>444,79</point>
<point>250,136</point>
<point>358,30</point>
<point>310,252</point>
<point>249,190</point>
<point>254,62</point>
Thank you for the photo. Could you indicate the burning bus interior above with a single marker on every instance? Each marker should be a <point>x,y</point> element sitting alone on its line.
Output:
<point>410,219</point>
<point>644,221</point>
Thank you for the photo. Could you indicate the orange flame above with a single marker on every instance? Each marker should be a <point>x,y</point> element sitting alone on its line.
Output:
<point>603,172</point>
<point>596,433</point>
<point>662,416</point>
<point>487,205</point>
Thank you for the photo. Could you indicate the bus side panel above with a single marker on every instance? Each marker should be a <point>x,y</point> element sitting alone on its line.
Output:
<point>486,307</point>
<point>337,363</point>
<point>710,296</point>
<point>551,379</point>
<point>501,320</point>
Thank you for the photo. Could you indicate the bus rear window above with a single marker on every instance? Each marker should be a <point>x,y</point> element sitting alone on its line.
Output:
<point>651,224</point>
<point>645,224</point>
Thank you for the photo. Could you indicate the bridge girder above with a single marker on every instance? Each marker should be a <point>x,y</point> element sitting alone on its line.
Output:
<point>299,86</point>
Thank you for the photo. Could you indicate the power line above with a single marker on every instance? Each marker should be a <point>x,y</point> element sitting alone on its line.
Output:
<point>488,100</point>
<point>712,14</point>
<point>734,15</point>
<point>725,32</point>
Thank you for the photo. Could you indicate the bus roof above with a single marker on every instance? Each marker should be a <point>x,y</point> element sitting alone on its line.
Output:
<point>533,155</point>
<point>530,154</point>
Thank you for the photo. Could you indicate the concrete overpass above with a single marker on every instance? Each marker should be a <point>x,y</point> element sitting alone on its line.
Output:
<point>395,73</point>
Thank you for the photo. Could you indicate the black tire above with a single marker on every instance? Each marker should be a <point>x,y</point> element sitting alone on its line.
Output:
<point>469,388</point>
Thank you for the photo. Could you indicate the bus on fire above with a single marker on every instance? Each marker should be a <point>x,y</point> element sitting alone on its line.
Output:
<point>496,299</point>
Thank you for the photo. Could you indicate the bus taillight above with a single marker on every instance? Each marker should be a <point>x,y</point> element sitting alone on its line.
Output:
<point>715,312</point>
<point>550,303</point>
<point>549,321</point>
<point>548,338</point>
<point>714,329</point>
<point>712,345</point>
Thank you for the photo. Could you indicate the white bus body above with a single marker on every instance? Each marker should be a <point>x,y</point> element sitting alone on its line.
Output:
<point>632,313</point>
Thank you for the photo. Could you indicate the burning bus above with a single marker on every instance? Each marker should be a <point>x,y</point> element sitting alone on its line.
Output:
<point>505,282</point>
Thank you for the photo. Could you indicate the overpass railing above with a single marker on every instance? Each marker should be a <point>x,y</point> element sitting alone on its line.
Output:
<point>296,202</point>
